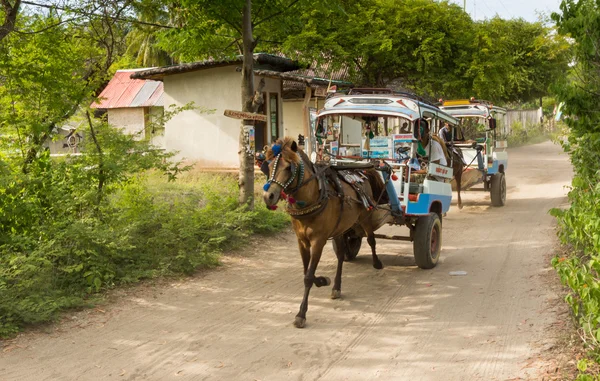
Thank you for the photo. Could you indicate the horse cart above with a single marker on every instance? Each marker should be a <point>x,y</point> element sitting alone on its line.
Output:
<point>366,174</point>
<point>485,156</point>
<point>381,126</point>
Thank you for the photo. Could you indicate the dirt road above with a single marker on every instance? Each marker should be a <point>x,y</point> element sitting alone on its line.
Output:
<point>399,323</point>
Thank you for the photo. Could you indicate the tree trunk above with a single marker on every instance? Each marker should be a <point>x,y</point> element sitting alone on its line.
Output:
<point>101,174</point>
<point>246,175</point>
<point>10,17</point>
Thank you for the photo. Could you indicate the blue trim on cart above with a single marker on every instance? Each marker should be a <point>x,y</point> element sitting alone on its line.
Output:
<point>496,165</point>
<point>423,204</point>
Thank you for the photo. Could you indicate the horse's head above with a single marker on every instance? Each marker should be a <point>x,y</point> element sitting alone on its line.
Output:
<point>284,169</point>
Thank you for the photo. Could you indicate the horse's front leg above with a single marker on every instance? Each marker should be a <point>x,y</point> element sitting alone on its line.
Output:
<point>316,249</point>
<point>304,247</point>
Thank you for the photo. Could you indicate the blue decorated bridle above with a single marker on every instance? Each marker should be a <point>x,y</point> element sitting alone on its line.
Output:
<point>296,172</point>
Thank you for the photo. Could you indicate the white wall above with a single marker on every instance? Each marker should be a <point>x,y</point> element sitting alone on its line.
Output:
<point>292,118</point>
<point>131,120</point>
<point>293,121</point>
<point>209,139</point>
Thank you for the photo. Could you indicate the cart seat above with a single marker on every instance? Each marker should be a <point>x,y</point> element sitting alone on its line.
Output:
<point>345,166</point>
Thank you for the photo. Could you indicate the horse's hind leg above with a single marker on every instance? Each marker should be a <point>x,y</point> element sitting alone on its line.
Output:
<point>458,187</point>
<point>376,262</point>
<point>316,249</point>
<point>371,240</point>
<point>336,292</point>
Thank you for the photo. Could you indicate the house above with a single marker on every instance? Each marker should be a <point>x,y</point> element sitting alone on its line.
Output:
<point>319,77</point>
<point>135,105</point>
<point>203,134</point>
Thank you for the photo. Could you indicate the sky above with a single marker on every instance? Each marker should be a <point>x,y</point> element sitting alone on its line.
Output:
<point>507,9</point>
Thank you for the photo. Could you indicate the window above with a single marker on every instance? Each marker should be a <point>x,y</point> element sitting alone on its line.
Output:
<point>274,116</point>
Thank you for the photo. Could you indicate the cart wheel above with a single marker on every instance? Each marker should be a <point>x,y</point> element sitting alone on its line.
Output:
<point>349,244</point>
<point>498,191</point>
<point>428,241</point>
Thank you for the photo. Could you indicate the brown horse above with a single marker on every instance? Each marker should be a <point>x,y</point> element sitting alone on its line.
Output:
<point>320,211</point>
<point>458,166</point>
<point>454,157</point>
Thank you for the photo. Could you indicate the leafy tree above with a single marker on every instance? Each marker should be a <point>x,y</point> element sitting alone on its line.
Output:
<point>55,58</point>
<point>142,41</point>
<point>433,48</point>
<point>414,44</point>
<point>46,77</point>
<point>216,29</point>
<point>515,60</point>
<point>9,11</point>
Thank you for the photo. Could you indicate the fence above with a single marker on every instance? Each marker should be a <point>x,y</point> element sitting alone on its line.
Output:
<point>525,117</point>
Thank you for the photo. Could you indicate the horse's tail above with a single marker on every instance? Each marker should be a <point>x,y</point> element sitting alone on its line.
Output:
<point>380,195</point>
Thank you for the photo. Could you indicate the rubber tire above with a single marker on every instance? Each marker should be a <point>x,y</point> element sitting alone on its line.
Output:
<point>498,191</point>
<point>426,252</point>
<point>348,244</point>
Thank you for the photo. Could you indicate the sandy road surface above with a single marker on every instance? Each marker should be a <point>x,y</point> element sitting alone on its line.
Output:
<point>399,323</point>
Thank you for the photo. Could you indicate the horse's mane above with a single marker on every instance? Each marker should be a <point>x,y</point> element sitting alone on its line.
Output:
<point>443,144</point>
<point>288,154</point>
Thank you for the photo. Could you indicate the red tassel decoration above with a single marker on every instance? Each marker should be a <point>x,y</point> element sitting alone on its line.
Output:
<point>291,200</point>
<point>273,207</point>
<point>394,177</point>
<point>283,195</point>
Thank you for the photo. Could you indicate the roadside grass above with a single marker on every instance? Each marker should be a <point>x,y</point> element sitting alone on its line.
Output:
<point>531,134</point>
<point>149,228</point>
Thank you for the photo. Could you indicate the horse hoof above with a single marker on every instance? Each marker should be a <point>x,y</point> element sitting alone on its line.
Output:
<point>336,294</point>
<point>321,281</point>
<point>299,322</point>
<point>378,265</point>
<point>460,207</point>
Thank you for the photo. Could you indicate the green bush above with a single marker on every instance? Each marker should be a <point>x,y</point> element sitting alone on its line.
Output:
<point>580,228</point>
<point>58,248</point>
<point>520,135</point>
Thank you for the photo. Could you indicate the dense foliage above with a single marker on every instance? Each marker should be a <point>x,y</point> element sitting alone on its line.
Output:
<point>433,48</point>
<point>74,226</point>
<point>58,246</point>
<point>580,224</point>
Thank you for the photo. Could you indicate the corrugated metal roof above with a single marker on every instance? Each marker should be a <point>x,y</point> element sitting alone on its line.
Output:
<point>122,91</point>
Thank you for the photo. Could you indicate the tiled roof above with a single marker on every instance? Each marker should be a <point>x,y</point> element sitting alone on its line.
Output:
<point>122,91</point>
<point>261,61</point>
<point>323,72</point>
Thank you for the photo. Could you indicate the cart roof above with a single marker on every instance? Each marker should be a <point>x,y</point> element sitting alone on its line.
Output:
<point>384,105</point>
<point>461,108</point>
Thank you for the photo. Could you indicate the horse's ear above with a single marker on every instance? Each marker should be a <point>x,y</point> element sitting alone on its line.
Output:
<point>294,146</point>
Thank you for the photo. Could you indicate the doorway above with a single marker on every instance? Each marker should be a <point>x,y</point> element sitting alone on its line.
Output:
<point>260,128</point>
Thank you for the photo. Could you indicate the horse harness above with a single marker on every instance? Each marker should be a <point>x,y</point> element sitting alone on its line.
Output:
<point>324,174</point>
